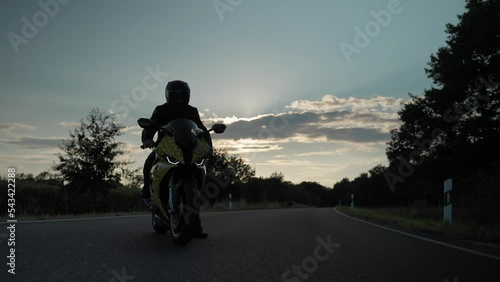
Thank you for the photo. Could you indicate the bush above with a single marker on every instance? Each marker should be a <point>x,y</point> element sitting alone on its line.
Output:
<point>36,198</point>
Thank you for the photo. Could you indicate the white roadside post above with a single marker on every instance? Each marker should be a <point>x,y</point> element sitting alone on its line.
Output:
<point>352,200</point>
<point>230,201</point>
<point>447,209</point>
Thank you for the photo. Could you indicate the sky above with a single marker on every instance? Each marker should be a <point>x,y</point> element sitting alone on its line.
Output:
<point>307,88</point>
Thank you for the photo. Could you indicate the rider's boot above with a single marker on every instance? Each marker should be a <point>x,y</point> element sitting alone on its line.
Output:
<point>146,197</point>
<point>198,232</point>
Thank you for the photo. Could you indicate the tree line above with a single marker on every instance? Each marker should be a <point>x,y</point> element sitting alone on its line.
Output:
<point>91,176</point>
<point>451,131</point>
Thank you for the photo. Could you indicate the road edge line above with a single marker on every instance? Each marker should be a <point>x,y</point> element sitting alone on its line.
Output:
<point>76,219</point>
<point>422,238</point>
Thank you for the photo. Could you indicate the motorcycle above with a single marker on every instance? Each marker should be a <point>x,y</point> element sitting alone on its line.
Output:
<point>177,176</point>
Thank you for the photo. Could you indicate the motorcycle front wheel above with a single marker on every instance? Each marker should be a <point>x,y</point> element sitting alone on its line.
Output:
<point>157,226</point>
<point>183,224</point>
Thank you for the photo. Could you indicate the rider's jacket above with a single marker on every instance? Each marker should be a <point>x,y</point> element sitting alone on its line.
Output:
<point>165,113</point>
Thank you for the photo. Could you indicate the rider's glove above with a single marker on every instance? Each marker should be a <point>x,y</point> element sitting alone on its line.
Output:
<point>149,143</point>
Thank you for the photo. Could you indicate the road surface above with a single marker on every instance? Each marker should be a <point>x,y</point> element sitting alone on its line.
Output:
<point>265,245</point>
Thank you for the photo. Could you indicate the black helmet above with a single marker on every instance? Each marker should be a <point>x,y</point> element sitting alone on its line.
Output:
<point>177,92</point>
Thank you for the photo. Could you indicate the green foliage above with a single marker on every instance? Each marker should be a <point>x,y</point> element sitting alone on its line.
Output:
<point>88,162</point>
<point>88,178</point>
<point>275,189</point>
<point>131,178</point>
<point>369,189</point>
<point>451,131</point>
<point>466,106</point>
<point>37,198</point>
<point>233,167</point>
<point>122,199</point>
<point>424,218</point>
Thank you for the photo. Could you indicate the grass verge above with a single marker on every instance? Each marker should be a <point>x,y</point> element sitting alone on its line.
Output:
<point>73,216</point>
<point>427,220</point>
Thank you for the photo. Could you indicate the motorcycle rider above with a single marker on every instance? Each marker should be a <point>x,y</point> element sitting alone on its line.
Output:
<point>177,94</point>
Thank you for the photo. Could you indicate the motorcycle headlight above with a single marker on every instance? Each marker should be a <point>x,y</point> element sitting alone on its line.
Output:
<point>200,163</point>
<point>171,160</point>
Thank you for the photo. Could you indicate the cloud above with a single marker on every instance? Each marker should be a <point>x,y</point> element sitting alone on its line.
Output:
<point>332,103</point>
<point>133,129</point>
<point>42,157</point>
<point>68,124</point>
<point>288,162</point>
<point>330,119</point>
<point>311,125</point>
<point>34,142</point>
<point>15,126</point>
<point>134,148</point>
<point>350,122</point>
<point>336,152</point>
<point>243,146</point>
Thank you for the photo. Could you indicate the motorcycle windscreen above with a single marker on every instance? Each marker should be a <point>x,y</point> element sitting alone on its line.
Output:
<point>185,132</point>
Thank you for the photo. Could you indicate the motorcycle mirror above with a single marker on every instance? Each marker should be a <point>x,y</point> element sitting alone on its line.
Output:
<point>219,128</point>
<point>146,122</point>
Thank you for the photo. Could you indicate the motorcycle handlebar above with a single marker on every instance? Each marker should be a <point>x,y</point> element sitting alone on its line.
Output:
<point>199,135</point>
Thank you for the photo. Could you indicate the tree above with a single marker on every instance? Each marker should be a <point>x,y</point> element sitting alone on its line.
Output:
<point>453,129</point>
<point>232,168</point>
<point>89,162</point>
<point>468,71</point>
<point>49,178</point>
<point>465,106</point>
<point>279,176</point>
<point>131,178</point>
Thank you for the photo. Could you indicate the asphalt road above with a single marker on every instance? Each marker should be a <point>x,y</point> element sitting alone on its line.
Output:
<point>269,245</point>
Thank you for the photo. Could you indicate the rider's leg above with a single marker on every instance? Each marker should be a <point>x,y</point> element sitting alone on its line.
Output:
<point>148,164</point>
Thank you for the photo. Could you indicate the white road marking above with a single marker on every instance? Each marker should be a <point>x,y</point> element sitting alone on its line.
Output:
<point>76,219</point>
<point>423,238</point>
